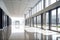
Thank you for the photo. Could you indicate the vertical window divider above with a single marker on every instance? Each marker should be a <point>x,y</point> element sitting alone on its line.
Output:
<point>57,18</point>
<point>29,19</point>
<point>36,8</point>
<point>50,20</point>
<point>33,21</point>
<point>42,21</point>
<point>36,21</point>
<point>30,22</point>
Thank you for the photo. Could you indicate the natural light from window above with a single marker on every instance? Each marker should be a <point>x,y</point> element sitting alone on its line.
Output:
<point>17,25</point>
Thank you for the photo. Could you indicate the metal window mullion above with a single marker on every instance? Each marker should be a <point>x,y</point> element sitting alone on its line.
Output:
<point>25,18</point>
<point>36,21</point>
<point>42,21</point>
<point>33,21</point>
<point>30,22</point>
<point>57,18</point>
<point>29,18</point>
<point>50,20</point>
<point>25,22</point>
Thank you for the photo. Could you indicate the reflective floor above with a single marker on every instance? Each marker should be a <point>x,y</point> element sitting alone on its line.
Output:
<point>21,36</point>
<point>40,34</point>
<point>17,36</point>
<point>17,32</point>
<point>33,34</point>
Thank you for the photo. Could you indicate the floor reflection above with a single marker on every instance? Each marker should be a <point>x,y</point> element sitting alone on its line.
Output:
<point>47,37</point>
<point>17,28</point>
<point>42,35</point>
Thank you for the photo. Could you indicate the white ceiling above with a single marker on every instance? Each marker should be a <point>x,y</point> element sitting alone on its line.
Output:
<point>17,8</point>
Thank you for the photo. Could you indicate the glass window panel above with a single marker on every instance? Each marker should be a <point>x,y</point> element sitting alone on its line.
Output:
<point>32,11</point>
<point>53,19</point>
<point>37,8</point>
<point>40,6</point>
<point>27,15</point>
<point>39,21</point>
<point>53,1</point>
<point>58,19</point>
<point>46,3</point>
<point>44,21</point>
<point>28,22</point>
<point>34,21</point>
<point>25,22</point>
<point>47,20</point>
<point>31,22</point>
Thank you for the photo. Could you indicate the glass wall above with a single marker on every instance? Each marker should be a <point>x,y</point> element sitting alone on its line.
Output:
<point>44,20</point>
<point>27,14</point>
<point>58,19</point>
<point>35,10</point>
<point>37,7</point>
<point>34,21</point>
<point>42,4</point>
<point>40,7</point>
<point>27,22</point>
<point>39,21</point>
<point>46,3</point>
<point>32,11</point>
<point>31,22</point>
<point>47,20</point>
<point>49,2</point>
<point>53,19</point>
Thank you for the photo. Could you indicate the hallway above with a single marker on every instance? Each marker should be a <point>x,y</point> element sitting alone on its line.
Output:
<point>29,19</point>
<point>17,31</point>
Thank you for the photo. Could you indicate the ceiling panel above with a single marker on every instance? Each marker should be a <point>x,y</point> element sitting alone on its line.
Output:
<point>19,7</point>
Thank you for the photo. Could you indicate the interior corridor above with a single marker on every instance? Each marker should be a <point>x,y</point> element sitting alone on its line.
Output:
<point>17,30</point>
<point>29,19</point>
<point>17,33</point>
